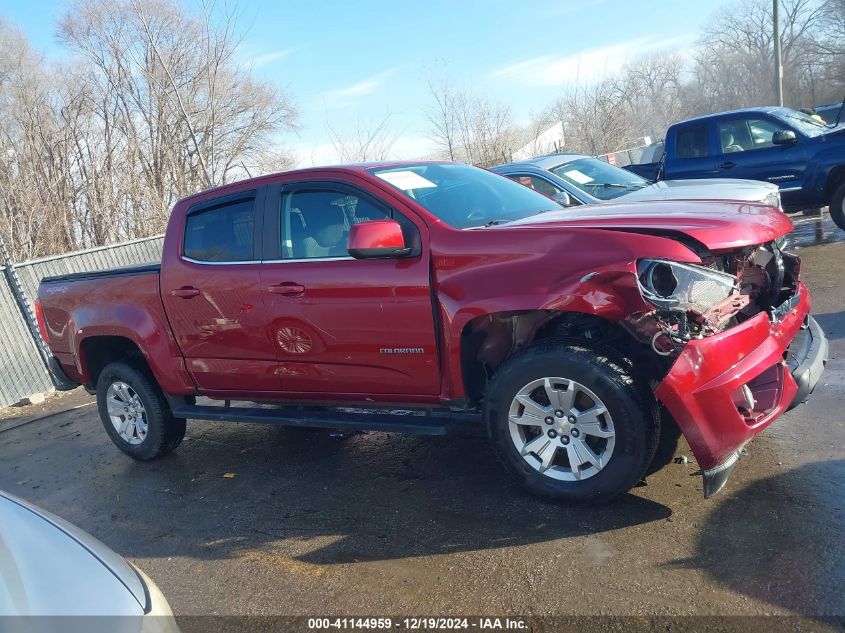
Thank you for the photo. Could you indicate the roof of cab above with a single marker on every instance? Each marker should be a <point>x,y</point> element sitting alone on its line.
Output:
<point>256,181</point>
<point>757,110</point>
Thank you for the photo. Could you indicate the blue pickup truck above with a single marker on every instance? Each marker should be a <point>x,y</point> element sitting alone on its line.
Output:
<point>804,157</point>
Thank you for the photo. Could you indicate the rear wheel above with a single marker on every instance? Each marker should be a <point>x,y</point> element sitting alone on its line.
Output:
<point>135,414</point>
<point>837,207</point>
<point>571,424</point>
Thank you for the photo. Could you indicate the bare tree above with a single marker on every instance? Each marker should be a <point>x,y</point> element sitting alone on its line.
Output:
<point>469,127</point>
<point>35,175</point>
<point>152,106</point>
<point>830,50</point>
<point>734,65</point>
<point>597,116</point>
<point>368,141</point>
<point>654,89</point>
<point>441,116</point>
<point>187,113</point>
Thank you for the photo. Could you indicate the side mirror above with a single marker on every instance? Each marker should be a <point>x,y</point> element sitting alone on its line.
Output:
<point>784,137</point>
<point>562,198</point>
<point>377,239</point>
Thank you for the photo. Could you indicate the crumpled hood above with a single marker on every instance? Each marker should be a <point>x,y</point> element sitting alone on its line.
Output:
<point>719,225</point>
<point>704,189</point>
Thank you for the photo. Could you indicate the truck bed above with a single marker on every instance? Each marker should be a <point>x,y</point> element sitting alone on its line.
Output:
<point>138,269</point>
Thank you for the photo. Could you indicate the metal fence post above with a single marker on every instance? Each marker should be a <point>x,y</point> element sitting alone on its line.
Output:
<point>23,304</point>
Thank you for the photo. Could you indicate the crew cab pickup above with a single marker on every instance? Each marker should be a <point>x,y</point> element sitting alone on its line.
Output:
<point>803,156</point>
<point>425,297</point>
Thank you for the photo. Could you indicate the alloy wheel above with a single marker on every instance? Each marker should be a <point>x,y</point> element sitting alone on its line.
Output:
<point>126,412</point>
<point>561,429</point>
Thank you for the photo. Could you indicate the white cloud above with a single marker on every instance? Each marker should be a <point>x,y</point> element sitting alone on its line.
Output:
<point>267,58</point>
<point>586,67</point>
<point>339,97</point>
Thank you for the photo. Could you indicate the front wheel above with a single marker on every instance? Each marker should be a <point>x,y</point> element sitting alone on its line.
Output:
<point>135,414</point>
<point>570,424</point>
<point>837,207</point>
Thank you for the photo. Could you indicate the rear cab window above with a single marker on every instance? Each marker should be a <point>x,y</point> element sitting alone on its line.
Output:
<point>221,231</point>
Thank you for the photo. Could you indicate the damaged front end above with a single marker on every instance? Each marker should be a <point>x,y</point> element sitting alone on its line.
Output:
<point>694,301</point>
<point>741,346</point>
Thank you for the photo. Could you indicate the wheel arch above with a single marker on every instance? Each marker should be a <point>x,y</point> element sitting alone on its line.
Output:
<point>489,340</point>
<point>140,336</point>
<point>835,178</point>
<point>98,351</point>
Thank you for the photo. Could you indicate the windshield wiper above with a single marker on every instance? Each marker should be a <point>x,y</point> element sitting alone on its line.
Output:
<point>495,222</point>
<point>619,185</point>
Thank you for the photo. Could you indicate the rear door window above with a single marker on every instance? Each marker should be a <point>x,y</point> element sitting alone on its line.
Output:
<point>692,142</point>
<point>221,233</point>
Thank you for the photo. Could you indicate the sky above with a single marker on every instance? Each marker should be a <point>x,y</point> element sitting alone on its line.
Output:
<point>352,63</point>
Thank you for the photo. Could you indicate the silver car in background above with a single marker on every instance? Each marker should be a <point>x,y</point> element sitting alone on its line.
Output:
<point>55,577</point>
<point>575,179</point>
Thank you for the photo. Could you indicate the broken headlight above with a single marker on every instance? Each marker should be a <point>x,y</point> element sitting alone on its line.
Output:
<point>676,286</point>
<point>773,199</point>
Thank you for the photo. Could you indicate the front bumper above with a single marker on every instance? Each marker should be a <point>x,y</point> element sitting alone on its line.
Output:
<point>724,389</point>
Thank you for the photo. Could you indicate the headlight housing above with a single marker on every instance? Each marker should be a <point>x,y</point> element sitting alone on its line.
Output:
<point>675,286</point>
<point>773,199</point>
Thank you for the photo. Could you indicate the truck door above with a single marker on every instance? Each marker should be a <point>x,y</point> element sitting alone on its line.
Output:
<point>746,150</point>
<point>211,294</point>
<point>338,324</point>
<point>693,155</point>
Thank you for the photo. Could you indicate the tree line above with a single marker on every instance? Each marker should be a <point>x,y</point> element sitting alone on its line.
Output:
<point>731,66</point>
<point>154,103</point>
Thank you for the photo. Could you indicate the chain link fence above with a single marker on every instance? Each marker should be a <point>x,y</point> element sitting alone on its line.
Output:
<point>22,365</point>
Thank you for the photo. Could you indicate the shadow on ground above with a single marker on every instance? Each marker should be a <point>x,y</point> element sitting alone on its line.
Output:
<point>833,324</point>
<point>365,497</point>
<point>780,540</point>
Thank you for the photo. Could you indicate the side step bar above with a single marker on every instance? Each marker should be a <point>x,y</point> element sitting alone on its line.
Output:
<point>365,420</point>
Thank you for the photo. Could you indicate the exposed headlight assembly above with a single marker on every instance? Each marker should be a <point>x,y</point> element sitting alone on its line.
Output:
<point>676,286</point>
<point>773,199</point>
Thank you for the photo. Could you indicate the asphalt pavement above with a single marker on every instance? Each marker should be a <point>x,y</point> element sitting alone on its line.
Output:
<point>257,520</point>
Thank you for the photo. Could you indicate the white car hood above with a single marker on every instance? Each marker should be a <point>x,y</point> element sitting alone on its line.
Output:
<point>50,568</point>
<point>703,189</point>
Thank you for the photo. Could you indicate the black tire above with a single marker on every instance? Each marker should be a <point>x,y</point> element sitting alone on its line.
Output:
<point>164,432</point>
<point>630,404</point>
<point>837,207</point>
<point>667,445</point>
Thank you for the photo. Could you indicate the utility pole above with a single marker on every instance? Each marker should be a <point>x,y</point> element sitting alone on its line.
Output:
<point>778,61</point>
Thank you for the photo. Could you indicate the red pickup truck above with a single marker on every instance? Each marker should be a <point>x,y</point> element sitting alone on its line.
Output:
<point>580,341</point>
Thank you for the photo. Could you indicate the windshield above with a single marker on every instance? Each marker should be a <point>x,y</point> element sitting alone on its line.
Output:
<point>598,178</point>
<point>804,123</point>
<point>463,196</point>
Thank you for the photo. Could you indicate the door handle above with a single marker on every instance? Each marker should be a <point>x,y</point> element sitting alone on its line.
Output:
<point>185,292</point>
<point>287,289</point>
<point>727,165</point>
